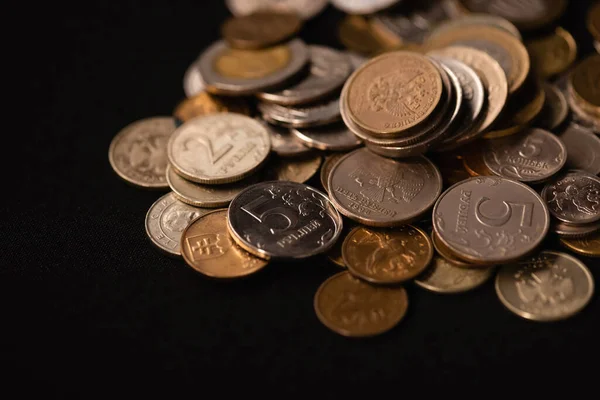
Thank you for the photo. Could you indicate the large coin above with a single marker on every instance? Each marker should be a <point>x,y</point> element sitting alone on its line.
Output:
<point>588,246</point>
<point>218,148</point>
<point>307,116</point>
<point>203,103</point>
<point>207,247</point>
<point>556,108</point>
<point>306,9</point>
<point>260,29</point>
<point>552,54</point>
<point>297,169</point>
<point>583,148</point>
<point>378,191</point>
<point>475,19</point>
<point>574,197</point>
<point>444,277</point>
<point>360,7</point>
<point>351,307</point>
<point>138,153</point>
<point>333,137</point>
<point>488,220</point>
<point>284,220</point>
<point>548,287</point>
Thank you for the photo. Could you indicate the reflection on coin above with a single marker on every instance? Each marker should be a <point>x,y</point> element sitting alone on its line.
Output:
<point>444,277</point>
<point>333,137</point>
<point>192,80</point>
<point>328,164</point>
<point>552,54</point>
<point>473,160</point>
<point>387,256</point>
<point>306,9</point>
<point>570,231</point>
<point>489,220</point>
<point>574,197</point>
<point>588,246</point>
<point>312,115</point>
<point>555,109</point>
<point>207,247</point>
<point>283,143</point>
<point>353,308</point>
<point>203,103</point>
<point>475,19</point>
<point>548,287</point>
<point>583,148</point>
<point>138,153</point>
<point>218,148</point>
<point>284,220</point>
<point>359,7</point>
<point>260,29</point>
<point>297,169</point>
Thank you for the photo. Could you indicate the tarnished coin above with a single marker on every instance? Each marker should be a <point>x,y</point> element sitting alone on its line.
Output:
<point>165,221</point>
<point>193,83</point>
<point>327,166</point>
<point>583,148</point>
<point>548,287</point>
<point>207,247</point>
<point>570,231</point>
<point>297,169</point>
<point>236,72</point>
<point>307,116</point>
<point>588,246</point>
<point>138,153</point>
<point>306,9</point>
<point>353,308</point>
<point>556,108</point>
<point>329,69</point>
<point>218,148</point>
<point>584,86</point>
<point>475,19</point>
<point>378,191</point>
<point>593,21</point>
<point>360,7</point>
<point>333,137</point>
<point>283,220</point>
<point>203,103</point>
<point>387,256</point>
<point>489,220</point>
<point>284,144</point>
<point>444,277</point>
<point>552,54</point>
<point>532,156</point>
<point>260,29</point>
<point>574,197</point>
<point>358,35</point>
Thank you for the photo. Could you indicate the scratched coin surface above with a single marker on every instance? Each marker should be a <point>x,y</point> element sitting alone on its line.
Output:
<point>442,276</point>
<point>556,108</point>
<point>547,287</point>
<point>583,148</point>
<point>166,219</point>
<point>138,153</point>
<point>218,148</point>
<point>284,220</point>
<point>207,247</point>
<point>552,54</point>
<point>332,137</point>
<point>283,143</point>
<point>203,103</point>
<point>490,220</point>
<point>193,83</point>
<point>353,308</point>
<point>587,246</point>
<point>387,256</point>
<point>574,197</point>
<point>532,156</point>
<point>260,29</point>
<point>296,169</point>
<point>306,9</point>
<point>378,191</point>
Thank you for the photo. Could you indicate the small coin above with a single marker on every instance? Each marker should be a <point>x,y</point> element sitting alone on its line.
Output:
<point>556,108</point>
<point>284,220</point>
<point>447,254</point>
<point>583,84</point>
<point>203,103</point>
<point>165,221</point>
<point>328,164</point>
<point>548,287</point>
<point>207,247</point>
<point>387,256</point>
<point>574,197</point>
<point>353,308</point>
<point>297,169</point>
<point>313,115</point>
<point>306,9</point>
<point>193,83</point>
<point>260,29</point>
<point>333,137</point>
<point>361,7</point>
<point>552,54</point>
<point>490,220</point>
<point>475,19</point>
<point>218,148</point>
<point>358,35</point>
<point>588,246</point>
<point>583,148</point>
<point>593,21</point>
<point>570,231</point>
<point>138,153</point>
<point>284,144</point>
<point>444,277</point>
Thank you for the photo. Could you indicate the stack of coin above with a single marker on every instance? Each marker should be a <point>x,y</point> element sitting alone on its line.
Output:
<point>583,93</point>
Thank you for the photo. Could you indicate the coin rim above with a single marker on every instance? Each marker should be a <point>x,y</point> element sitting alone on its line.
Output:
<point>562,176</point>
<point>565,241</point>
<point>244,44</point>
<point>310,142</point>
<point>490,271</point>
<point>191,201</point>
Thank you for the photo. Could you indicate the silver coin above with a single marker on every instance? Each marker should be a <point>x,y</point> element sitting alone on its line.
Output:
<point>166,220</point>
<point>217,83</point>
<point>532,156</point>
<point>565,230</point>
<point>574,197</point>
<point>583,148</point>
<point>548,287</point>
<point>333,137</point>
<point>306,9</point>
<point>525,14</point>
<point>490,220</point>
<point>193,83</point>
<point>556,108</point>
<point>328,164</point>
<point>283,220</point>
<point>381,192</point>
<point>400,26</point>
<point>301,117</point>
<point>475,19</point>
<point>444,277</point>
<point>283,143</point>
<point>329,69</point>
<point>362,7</point>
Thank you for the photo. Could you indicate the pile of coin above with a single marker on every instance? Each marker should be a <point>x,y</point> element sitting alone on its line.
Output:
<point>459,137</point>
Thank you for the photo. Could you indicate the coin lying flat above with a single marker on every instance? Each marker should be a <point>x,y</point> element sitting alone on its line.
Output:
<point>297,169</point>
<point>475,19</point>
<point>548,287</point>
<point>207,247</point>
<point>193,83</point>
<point>328,164</point>
<point>583,148</point>
<point>555,110</point>
<point>353,308</point>
<point>306,9</point>
<point>444,277</point>
<point>359,7</point>
<point>166,220</point>
<point>574,197</point>
<point>284,220</point>
<point>583,84</point>
<point>312,115</point>
<point>333,137</point>
<point>552,54</point>
<point>138,153</point>
<point>570,231</point>
<point>588,246</point>
<point>203,103</point>
<point>260,29</point>
<point>447,254</point>
<point>218,148</point>
<point>284,144</point>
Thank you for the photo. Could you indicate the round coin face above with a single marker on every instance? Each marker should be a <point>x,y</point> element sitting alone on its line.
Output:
<point>574,197</point>
<point>284,220</point>
<point>387,256</point>
<point>260,29</point>
<point>333,137</point>
<point>552,54</point>
<point>587,246</point>
<point>207,247</point>
<point>138,153</point>
<point>353,308</point>
<point>548,287</point>
<point>583,148</point>
<point>359,7</point>
<point>444,277</point>
<point>297,169</point>
<point>556,108</point>
<point>378,191</point>
<point>489,220</point>
<point>306,9</point>
<point>218,148</point>
<point>203,103</point>
<point>166,220</point>
<point>584,82</point>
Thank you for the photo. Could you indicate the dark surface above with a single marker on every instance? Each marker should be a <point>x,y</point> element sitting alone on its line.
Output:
<point>90,308</point>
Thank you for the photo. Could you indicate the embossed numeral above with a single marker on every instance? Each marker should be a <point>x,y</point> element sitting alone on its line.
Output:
<point>215,153</point>
<point>253,208</point>
<point>500,220</point>
<point>531,147</point>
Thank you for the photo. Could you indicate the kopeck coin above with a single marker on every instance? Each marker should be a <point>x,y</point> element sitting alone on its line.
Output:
<point>333,137</point>
<point>489,220</point>
<point>583,148</point>
<point>353,308</point>
<point>138,153</point>
<point>207,247</point>
<point>218,148</point>
<point>326,168</point>
<point>360,7</point>
<point>444,277</point>
<point>260,29</point>
<point>283,220</point>
<point>552,54</point>
<point>311,115</point>
<point>548,287</point>
<point>475,19</point>
<point>574,197</point>
<point>193,83</point>
<point>283,143</point>
<point>588,246</point>
<point>297,169</point>
<point>556,108</point>
<point>593,21</point>
<point>203,103</point>
<point>583,84</point>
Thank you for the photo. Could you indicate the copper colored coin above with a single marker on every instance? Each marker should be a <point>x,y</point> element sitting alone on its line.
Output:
<point>207,247</point>
<point>204,103</point>
<point>473,161</point>
<point>587,246</point>
<point>297,169</point>
<point>354,308</point>
<point>584,84</point>
<point>260,29</point>
<point>552,54</point>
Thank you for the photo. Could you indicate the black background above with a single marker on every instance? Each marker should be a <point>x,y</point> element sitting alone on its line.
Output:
<point>89,307</point>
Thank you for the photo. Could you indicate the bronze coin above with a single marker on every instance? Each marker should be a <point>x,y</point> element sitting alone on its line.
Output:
<point>584,84</point>
<point>298,169</point>
<point>252,64</point>
<point>204,103</point>
<point>260,29</point>
<point>587,246</point>
<point>552,54</point>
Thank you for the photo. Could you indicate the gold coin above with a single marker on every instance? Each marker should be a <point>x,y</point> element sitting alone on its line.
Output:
<point>393,92</point>
<point>587,246</point>
<point>387,256</point>
<point>354,308</point>
<point>298,169</point>
<point>328,164</point>
<point>552,54</point>
<point>204,103</point>
<point>357,34</point>
<point>593,21</point>
<point>252,64</point>
<point>260,29</point>
<point>207,247</point>
<point>584,84</point>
